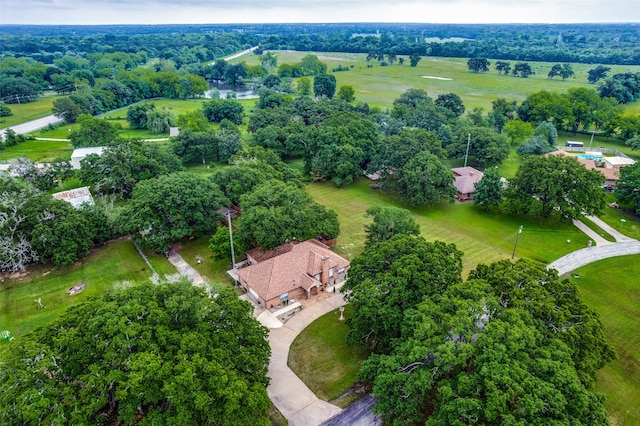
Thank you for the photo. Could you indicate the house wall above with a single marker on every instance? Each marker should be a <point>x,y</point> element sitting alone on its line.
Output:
<point>297,293</point>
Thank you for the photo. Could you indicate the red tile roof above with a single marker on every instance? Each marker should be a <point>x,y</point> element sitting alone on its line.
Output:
<point>288,267</point>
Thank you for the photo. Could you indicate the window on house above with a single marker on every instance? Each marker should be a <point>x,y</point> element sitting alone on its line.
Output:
<point>317,277</point>
<point>331,273</point>
<point>341,271</point>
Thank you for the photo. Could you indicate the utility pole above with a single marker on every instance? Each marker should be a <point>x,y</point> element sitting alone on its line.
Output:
<point>591,141</point>
<point>516,244</point>
<point>20,105</point>
<point>467,154</point>
<point>233,256</point>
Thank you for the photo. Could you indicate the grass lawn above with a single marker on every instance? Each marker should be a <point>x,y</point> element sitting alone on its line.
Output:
<point>380,86</point>
<point>29,111</point>
<point>213,271</point>
<point>484,237</point>
<point>612,288</point>
<point>320,357</point>
<point>38,150</point>
<point>117,261</point>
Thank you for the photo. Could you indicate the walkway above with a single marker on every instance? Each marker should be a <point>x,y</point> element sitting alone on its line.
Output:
<point>621,238</point>
<point>288,393</point>
<point>603,250</point>
<point>184,268</point>
<point>598,239</point>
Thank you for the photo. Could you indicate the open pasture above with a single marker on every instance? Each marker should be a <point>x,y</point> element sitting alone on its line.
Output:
<point>381,85</point>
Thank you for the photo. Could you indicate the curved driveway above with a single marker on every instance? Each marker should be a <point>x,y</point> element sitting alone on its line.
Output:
<point>293,398</point>
<point>588,255</point>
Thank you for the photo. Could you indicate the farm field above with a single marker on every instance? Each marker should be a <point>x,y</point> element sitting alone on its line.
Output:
<point>380,86</point>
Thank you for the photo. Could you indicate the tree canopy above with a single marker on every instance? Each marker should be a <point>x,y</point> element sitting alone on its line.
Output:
<point>391,277</point>
<point>387,222</point>
<point>146,354</point>
<point>276,212</point>
<point>171,207</point>
<point>513,344</point>
<point>555,185</point>
<point>488,191</point>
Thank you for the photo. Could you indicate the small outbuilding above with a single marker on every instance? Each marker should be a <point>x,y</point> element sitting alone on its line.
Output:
<point>80,154</point>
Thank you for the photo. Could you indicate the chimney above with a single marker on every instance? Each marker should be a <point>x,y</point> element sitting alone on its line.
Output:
<point>324,277</point>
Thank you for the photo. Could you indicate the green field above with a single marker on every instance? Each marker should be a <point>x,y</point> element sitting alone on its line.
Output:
<point>483,237</point>
<point>38,151</point>
<point>380,86</point>
<point>118,261</point>
<point>29,111</point>
<point>612,288</point>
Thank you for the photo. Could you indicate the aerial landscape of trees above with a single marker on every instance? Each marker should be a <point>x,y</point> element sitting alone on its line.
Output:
<point>155,353</point>
<point>446,340</point>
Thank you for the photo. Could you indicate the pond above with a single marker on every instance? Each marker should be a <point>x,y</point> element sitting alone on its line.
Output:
<point>241,92</point>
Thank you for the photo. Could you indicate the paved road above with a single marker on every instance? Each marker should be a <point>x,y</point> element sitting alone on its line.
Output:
<point>237,55</point>
<point>598,239</point>
<point>613,232</point>
<point>31,126</point>
<point>357,414</point>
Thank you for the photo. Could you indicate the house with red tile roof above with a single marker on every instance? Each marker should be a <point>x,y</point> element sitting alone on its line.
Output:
<point>294,270</point>
<point>465,183</point>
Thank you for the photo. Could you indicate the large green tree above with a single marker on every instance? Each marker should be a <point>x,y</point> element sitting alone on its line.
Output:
<point>93,132</point>
<point>512,345</point>
<point>387,222</point>
<point>124,163</point>
<point>555,185</point>
<point>486,147</point>
<point>424,180</point>
<point>390,277</point>
<point>172,207</point>
<point>146,354</point>
<point>489,192</point>
<point>626,191</point>
<point>276,212</point>
<point>324,85</point>
<point>478,64</point>
<point>466,360</point>
<point>217,110</point>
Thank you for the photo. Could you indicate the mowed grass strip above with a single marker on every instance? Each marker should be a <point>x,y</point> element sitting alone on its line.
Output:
<point>115,262</point>
<point>483,237</point>
<point>612,288</point>
<point>41,151</point>
<point>323,361</point>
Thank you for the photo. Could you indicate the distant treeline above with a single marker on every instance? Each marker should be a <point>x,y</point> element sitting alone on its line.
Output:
<point>582,43</point>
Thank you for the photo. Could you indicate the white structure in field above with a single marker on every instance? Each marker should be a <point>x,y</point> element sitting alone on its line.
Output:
<point>75,197</point>
<point>80,153</point>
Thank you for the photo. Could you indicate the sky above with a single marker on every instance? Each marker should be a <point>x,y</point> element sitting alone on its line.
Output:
<point>59,12</point>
